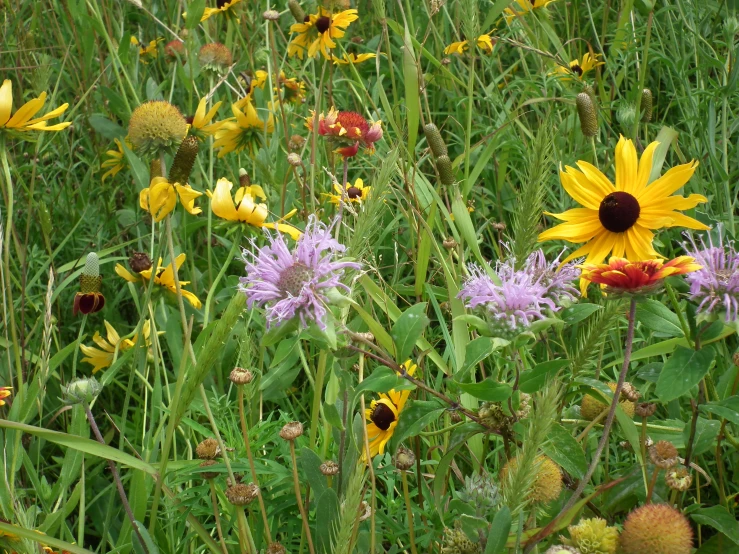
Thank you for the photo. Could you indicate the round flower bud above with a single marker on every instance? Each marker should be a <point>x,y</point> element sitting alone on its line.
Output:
<point>678,478</point>
<point>586,112</point>
<point>433,137</point>
<point>444,167</point>
<point>645,409</point>
<point>646,105</point>
<point>81,391</point>
<point>329,468</point>
<point>175,48</point>
<point>592,407</point>
<point>629,392</point>
<point>276,548</point>
<point>139,261</point>
<point>291,431</point>
<point>244,179</point>
<point>547,483</point>
<point>593,536</point>
<point>208,474</point>
<point>404,459</point>
<point>293,158</point>
<point>663,454</point>
<point>271,15</point>
<point>241,495</point>
<point>241,376</point>
<point>559,549</point>
<point>449,243</point>
<point>296,142</point>
<point>207,449</point>
<point>656,529</point>
<point>156,127</point>
<point>215,57</point>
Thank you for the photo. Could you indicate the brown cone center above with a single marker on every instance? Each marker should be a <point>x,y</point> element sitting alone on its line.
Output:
<point>577,69</point>
<point>619,211</point>
<point>382,416</point>
<point>323,23</point>
<point>353,193</point>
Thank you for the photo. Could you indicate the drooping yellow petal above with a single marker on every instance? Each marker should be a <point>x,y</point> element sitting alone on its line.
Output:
<point>645,168</point>
<point>187,198</point>
<point>113,336</point>
<point>162,198</point>
<point>221,202</point>
<point>639,244</point>
<point>191,298</point>
<point>6,101</point>
<point>27,111</point>
<point>127,275</point>
<point>285,228</point>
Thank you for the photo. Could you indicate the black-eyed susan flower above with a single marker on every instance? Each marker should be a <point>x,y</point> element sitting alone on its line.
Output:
<point>201,122</point>
<point>89,299</point>
<point>317,33</point>
<point>5,392</point>
<point>522,7</point>
<point>164,277</point>
<point>243,207</point>
<point>116,159</point>
<point>352,58</point>
<point>382,415</point>
<point>155,127</point>
<point>147,53</point>
<point>356,193</point>
<point>244,131</point>
<point>102,357</point>
<point>484,42</point>
<point>578,68</point>
<point>23,119</point>
<point>222,6</point>
<point>618,219</point>
<point>215,57</point>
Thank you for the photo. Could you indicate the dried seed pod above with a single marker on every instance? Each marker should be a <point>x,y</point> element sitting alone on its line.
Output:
<point>678,478</point>
<point>329,468</point>
<point>207,449</point>
<point>663,454</point>
<point>241,376</point>
<point>241,495</point>
<point>404,459</point>
<point>291,431</point>
<point>297,11</point>
<point>208,474</point>
<point>645,409</point>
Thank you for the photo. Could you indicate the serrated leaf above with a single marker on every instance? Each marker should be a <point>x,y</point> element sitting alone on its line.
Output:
<point>682,371</point>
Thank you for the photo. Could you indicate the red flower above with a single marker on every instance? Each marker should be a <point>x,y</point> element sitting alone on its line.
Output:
<point>349,128</point>
<point>88,303</point>
<point>621,275</point>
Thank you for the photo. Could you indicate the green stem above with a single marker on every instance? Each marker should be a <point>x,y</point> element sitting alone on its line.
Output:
<point>468,134</point>
<point>317,389</point>
<point>642,76</point>
<point>221,273</point>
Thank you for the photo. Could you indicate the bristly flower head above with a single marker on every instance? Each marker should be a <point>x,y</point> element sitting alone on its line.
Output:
<point>348,129</point>
<point>522,296</point>
<point>620,276</point>
<point>715,287</point>
<point>298,282</point>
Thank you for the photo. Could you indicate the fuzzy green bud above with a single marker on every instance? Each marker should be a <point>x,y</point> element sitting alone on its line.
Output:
<point>444,167</point>
<point>184,160</point>
<point>296,10</point>
<point>433,137</point>
<point>646,105</point>
<point>588,117</point>
<point>81,391</point>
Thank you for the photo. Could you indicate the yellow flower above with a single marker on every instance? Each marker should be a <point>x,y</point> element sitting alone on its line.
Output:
<point>292,90</point>
<point>579,69</point>
<point>161,197</point>
<point>115,159</point>
<point>150,52</point>
<point>260,78</point>
<point>222,6</point>
<point>383,414</point>
<point>22,119</point>
<point>236,134</point>
<point>318,33</point>
<point>618,220</point>
<point>525,7</point>
<point>4,393</point>
<point>352,193</point>
<point>352,58</point>
<point>201,122</point>
<point>164,277</point>
<point>484,43</point>
<point>102,357</point>
<point>245,209</point>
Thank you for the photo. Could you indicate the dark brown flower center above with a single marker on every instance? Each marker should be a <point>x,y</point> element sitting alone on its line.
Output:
<point>382,416</point>
<point>323,23</point>
<point>221,3</point>
<point>577,69</point>
<point>353,193</point>
<point>619,211</point>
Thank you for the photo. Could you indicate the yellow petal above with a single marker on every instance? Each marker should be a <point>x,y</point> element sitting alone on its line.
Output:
<point>191,298</point>
<point>626,166</point>
<point>663,187</point>
<point>113,336</point>
<point>580,188</point>
<point>187,198</point>
<point>6,101</point>
<point>127,275</point>
<point>50,115</point>
<point>639,244</point>
<point>143,197</point>
<point>285,228</point>
<point>645,168</point>
<point>572,232</point>
<point>682,220</point>
<point>221,202</point>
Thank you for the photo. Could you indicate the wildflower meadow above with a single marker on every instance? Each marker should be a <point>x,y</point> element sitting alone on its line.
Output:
<point>369,276</point>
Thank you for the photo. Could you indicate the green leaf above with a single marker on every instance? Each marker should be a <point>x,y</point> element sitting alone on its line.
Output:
<point>477,350</point>
<point>331,413</point>
<point>657,317</point>
<point>488,390</point>
<point>414,418</point>
<point>499,530</point>
<point>718,518</point>
<point>310,466</point>
<point>381,379</point>
<point>684,370</point>
<point>107,128</point>
<point>565,451</point>
<point>534,379</point>
<point>408,329</point>
<point>151,547</point>
<point>195,11</point>
<point>665,137</point>
<point>727,409</point>
<point>578,312</point>
<point>410,80</point>
<point>706,431</point>
<point>284,350</point>
<point>138,168</point>
<point>328,508</point>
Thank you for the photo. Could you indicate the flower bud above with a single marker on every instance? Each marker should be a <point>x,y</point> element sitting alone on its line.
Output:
<point>271,15</point>
<point>297,11</point>
<point>156,127</point>
<point>81,391</point>
<point>184,160</point>
<point>449,243</point>
<point>241,495</point>
<point>329,468</point>
<point>646,105</point>
<point>433,137</point>
<point>139,261</point>
<point>645,409</point>
<point>588,117</point>
<point>444,167</point>
<point>296,142</point>
<point>291,431</point>
<point>241,376</point>
<point>404,459</point>
<point>293,158</point>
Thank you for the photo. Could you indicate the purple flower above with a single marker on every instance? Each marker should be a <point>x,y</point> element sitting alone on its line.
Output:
<point>523,295</point>
<point>295,283</point>
<point>716,285</point>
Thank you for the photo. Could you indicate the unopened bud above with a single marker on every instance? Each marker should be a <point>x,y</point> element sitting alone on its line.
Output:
<point>293,158</point>
<point>404,459</point>
<point>271,15</point>
<point>296,142</point>
<point>139,261</point>
<point>433,137</point>
<point>296,10</point>
<point>588,117</point>
<point>184,160</point>
<point>646,105</point>
<point>81,391</point>
<point>444,167</point>
<point>241,376</point>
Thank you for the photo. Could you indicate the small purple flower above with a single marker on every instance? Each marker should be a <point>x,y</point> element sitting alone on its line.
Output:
<point>557,280</point>
<point>716,285</point>
<point>295,283</point>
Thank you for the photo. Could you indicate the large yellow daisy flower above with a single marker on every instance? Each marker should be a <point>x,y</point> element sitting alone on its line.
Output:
<point>241,132</point>
<point>23,119</point>
<point>484,43</point>
<point>356,192</point>
<point>383,414</point>
<point>524,6</point>
<point>201,122</point>
<point>164,278</point>
<point>618,220</point>
<point>102,357</point>
<point>245,209</point>
<point>161,198</point>
<point>222,6</point>
<point>579,68</point>
<point>318,32</point>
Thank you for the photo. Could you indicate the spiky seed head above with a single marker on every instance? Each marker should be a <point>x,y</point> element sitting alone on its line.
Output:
<point>215,57</point>
<point>241,376</point>
<point>587,89</point>
<point>629,392</point>
<point>207,449</point>
<point>276,548</point>
<point>184,160</point>
<point>678,478</point>
<point>561,549</point>
<point>329,468</point>
<point>139,261</point>
<point>645,409</point>
<point>592,407</point>
<point>208,474</point>
<point>593,536</point>
<point>293,158</point>
<point>656,529</point>
<point>444,167</point>
<point>547,483</point>
<point>241,495</point>
<point>271,15</point>
<point>588,116</point>
<point>433,137</point>
<point>296,142</point>
<point>646,105</point>
<point>663,454</point>
<point>404,458</point>
<point>296,10</point>
<point>291,431</point>
<point>156,127</point>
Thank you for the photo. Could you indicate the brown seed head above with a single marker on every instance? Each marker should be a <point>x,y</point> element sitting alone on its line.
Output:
<point>629,392</point>
<point>678,478</point>
<point>296,142</point>
<point>404,459</point>
<point>645,409</point>
<point>215,57</point>
<point>241,376</point>
<point>329,468</point>
<point>207,449</point>
<point>663,454</point>
<point>208,474</point>
<point>241,495</point>
<point>291,431</point>
<point>449,243</point>
<point>139,261</point>
<point>293,158</point>
<point>656,529</point>
<point>276,548</point>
